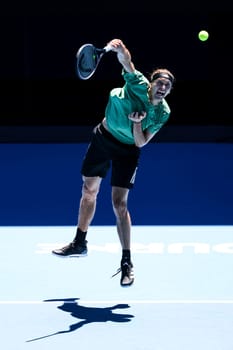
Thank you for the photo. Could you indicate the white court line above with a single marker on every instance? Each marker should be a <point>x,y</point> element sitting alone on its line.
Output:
<point>168,301</point>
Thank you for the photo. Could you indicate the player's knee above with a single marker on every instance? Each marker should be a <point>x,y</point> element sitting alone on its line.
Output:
<point>119,206</point>
<point>89,192</point>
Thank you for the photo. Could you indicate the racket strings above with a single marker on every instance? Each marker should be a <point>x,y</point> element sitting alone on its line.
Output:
<point>87,60</point>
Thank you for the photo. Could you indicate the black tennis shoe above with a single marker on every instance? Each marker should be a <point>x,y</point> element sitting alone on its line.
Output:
<point>127,274</point>
<point>73,249</point>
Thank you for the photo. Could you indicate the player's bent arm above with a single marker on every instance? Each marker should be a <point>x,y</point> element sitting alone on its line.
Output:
<point>141,138</point>
<point>124,58</point>
<point>123,54</point>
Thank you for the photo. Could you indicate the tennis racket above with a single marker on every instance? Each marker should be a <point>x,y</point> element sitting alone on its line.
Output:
<point>88,58</point>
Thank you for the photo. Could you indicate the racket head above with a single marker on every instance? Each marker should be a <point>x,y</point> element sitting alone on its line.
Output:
<point>88,57</point>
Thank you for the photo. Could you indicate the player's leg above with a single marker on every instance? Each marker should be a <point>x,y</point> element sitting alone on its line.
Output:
<point>123,222</point>
<point>78,247</point>
<point>94,167</point>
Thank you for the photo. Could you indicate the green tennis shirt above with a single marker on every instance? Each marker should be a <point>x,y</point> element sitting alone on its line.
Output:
<point>133,97</point>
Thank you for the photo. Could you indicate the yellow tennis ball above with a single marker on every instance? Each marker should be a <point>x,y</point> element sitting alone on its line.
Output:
<point>203,35</point>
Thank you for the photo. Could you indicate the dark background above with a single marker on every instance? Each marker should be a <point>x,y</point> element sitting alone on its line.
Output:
<point>39,86</point>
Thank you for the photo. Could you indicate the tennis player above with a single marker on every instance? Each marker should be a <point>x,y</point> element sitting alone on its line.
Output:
<point>133,115</point>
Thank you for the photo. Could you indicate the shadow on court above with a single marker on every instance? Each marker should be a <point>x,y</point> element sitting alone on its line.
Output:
<point>87,315</point>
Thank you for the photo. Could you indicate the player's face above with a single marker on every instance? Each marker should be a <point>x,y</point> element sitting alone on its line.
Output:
<point>160,88</point>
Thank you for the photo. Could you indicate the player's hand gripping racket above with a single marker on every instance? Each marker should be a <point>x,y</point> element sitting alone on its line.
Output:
<point>88,58</point>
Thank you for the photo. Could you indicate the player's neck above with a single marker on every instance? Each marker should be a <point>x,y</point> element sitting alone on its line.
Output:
<point>155,101</point>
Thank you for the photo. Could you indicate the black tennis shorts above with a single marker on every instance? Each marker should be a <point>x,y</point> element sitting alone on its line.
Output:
<point>104,151</point>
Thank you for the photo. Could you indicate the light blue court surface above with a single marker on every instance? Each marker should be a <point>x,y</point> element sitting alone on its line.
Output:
<point>182,297</point>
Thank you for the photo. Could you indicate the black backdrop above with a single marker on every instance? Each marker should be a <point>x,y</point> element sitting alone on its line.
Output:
<point>39,42</point>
